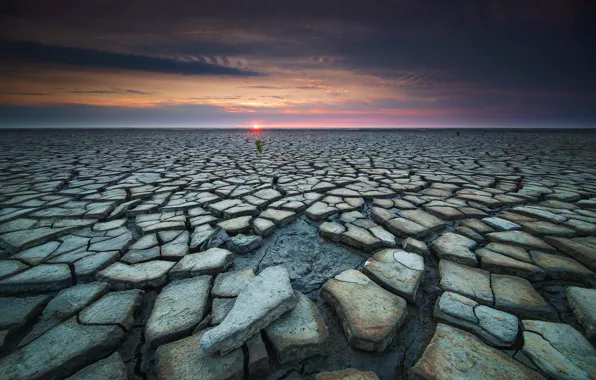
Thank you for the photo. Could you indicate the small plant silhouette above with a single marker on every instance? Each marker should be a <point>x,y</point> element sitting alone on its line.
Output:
<point>259,145</point>
<point>457,133</point>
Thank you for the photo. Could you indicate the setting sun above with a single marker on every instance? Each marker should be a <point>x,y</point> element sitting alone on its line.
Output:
<point>256,126</point>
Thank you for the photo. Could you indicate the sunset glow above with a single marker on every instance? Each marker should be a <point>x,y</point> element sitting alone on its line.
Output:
<point>361,67</point>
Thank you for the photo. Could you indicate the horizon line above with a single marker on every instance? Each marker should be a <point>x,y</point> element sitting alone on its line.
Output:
<point>427,128</point>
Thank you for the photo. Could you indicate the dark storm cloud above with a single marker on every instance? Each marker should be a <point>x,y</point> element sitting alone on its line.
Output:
<point>49,54</point>
<point>524,60</point>
<point>541,44</point>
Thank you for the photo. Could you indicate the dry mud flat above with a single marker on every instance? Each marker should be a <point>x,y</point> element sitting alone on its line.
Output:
<point>332,255</point>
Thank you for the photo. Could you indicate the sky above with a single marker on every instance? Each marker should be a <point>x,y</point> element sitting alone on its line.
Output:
<point>297,63</point>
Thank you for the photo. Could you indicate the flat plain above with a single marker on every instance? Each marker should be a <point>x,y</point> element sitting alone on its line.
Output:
<point>333,254</point>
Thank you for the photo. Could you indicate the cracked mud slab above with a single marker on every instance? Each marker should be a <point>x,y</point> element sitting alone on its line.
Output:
<point>120,250</point>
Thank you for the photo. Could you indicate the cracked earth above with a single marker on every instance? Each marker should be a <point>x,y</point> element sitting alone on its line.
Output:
<point>174,254</point>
